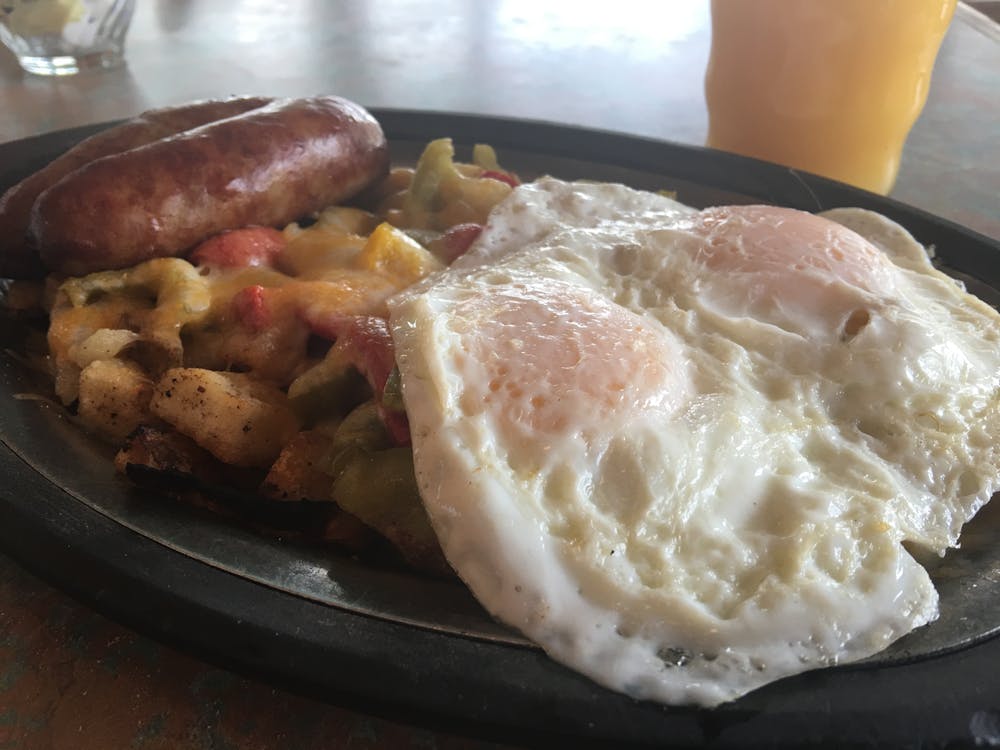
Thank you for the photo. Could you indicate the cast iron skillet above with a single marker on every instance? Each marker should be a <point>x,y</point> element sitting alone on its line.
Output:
<point>389,641</point>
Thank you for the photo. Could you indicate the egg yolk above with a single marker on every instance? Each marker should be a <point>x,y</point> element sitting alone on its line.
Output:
<point>795,262</point>
<point>557,356</point>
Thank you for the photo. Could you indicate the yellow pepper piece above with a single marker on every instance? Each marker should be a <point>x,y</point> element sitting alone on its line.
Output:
<point>394,253</point>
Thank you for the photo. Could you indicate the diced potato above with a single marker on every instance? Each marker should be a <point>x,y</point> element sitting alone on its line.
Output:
<point>69,327</point>
<point>158,450</point>
<point>156,299</point>
<point>65,379</point>
<point>240,420</point>
<point>301,471</point>
<point>114,397</point>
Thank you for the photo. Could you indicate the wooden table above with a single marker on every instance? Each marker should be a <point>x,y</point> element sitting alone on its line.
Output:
<point>69,677</point>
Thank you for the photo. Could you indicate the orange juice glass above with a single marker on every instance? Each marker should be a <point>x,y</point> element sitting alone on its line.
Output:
<point>826,86</point>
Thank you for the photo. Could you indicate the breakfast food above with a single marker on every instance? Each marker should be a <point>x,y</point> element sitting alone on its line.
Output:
<point>18,259</point>
<point>683,450</point>
<point>268,166</point>
<point>262,360</point>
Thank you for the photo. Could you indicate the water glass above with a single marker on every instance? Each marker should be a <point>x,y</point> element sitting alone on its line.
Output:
<point>64,37</point>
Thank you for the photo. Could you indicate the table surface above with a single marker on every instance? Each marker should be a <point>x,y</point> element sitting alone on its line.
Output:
<point>69,677</point>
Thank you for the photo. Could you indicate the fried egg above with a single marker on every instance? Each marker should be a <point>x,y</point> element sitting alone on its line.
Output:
<point>682,450</point>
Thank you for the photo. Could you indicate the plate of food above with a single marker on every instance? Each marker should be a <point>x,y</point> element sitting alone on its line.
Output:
<point>539,427</point>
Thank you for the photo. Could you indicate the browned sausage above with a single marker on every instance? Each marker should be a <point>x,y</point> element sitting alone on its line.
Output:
<point>17,258</point>
<point>267,167</point>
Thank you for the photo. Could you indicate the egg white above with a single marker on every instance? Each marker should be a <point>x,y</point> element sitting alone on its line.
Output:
<point>681,463</point>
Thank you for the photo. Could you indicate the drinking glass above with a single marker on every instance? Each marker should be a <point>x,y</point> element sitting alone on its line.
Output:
<point>64,37</point>
<point>827,86</point>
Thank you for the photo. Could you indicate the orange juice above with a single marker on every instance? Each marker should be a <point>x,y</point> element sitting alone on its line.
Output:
<point>827,86</point>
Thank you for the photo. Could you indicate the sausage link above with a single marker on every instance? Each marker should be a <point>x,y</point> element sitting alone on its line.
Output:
<point>267,167</point>
<point>17,258</point>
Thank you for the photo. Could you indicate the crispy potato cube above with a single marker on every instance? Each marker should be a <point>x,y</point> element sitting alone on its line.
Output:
<point>240,420</point>
<point>302,470</point>
<point>163,450</point>
<point>114,398</point>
